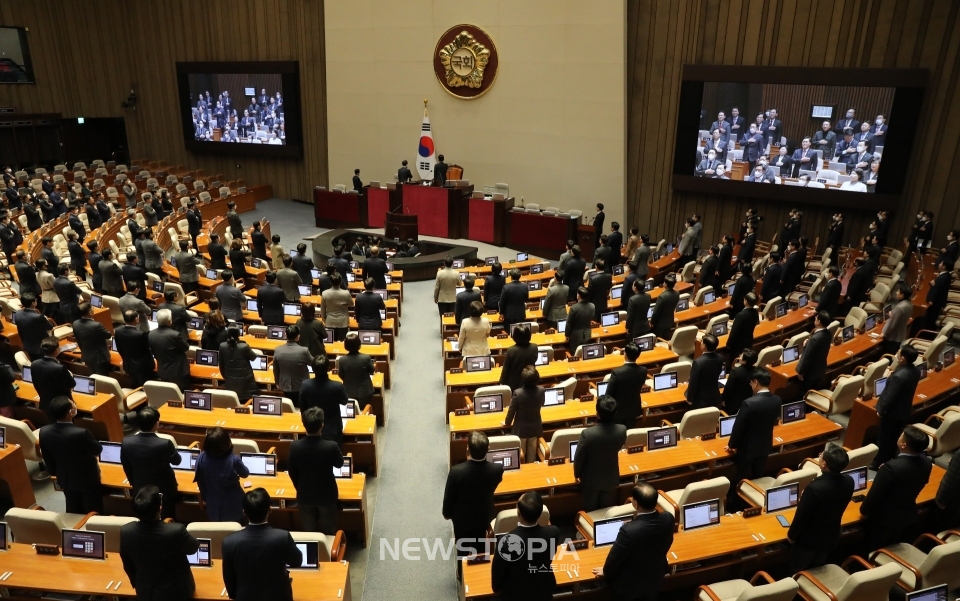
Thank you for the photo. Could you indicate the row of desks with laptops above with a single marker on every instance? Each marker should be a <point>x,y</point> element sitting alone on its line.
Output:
<point>83,567</point>
<point>709,546</point>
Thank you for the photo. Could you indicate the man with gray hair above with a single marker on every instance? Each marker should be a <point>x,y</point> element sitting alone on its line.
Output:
<point>170,348</point>
<point>132,224</point>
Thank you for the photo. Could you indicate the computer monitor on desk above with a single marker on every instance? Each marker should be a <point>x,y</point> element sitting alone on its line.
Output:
<point>616,293</point>
<point>879,386</point>
<point>488,403</point>
<point>188,460</point>
<point>267,405</point>
<point>709,297</point>
<point>701,515</point>
<point>782,497</point>
<point>859,476</point>
<point>83,544</point>
<point>609,319</point>
<point>202,557</point>
<point>198,400</point>
<point>208,358</point>
<point>791,354</point>
<point>110,452</point>
<point>719,329</point>
<point>792,412</point>
<point>726,425</point>
<point>592,351</point>
<point>662,438</point>
<point>346,471</point>
<point>605,531</point>
<point>508,458</point>
<point>478,363</point>
<point>935,593</point>
<point>543,357</point>
<point>260,464</point>
<point>665,381</point>
<point>646,342</point>
<point>553,396</point>
<point>561,326</point>
<point>602,388</point>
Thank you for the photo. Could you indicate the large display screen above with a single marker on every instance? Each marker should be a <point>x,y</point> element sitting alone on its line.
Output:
<point>241,108</point>
<point>822,136</point>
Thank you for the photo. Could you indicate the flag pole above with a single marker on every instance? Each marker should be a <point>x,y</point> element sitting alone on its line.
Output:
<point>424,107</point>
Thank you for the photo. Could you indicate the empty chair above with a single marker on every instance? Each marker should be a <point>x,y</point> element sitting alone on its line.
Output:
<point>838,400</point>
<point>216,532</point>
<point>152,184</point>
<point>225,399</point>
<point>769,355</point>
<point>332,546</point>
<point>834,583</point>
<point>741,590</point>
<point>39,527</point>
<point>559,445</point>
<point>940,566</point>
<point>682,368</point>
<point>856,318</point>
<point>244,445</point>
<point>158,393</point>
<point>508,441</point>
<point>871,373</point>
<point>797,340</point>
<point>509,519</point>
<point>19,433</point>
<point>828,174</point>
<point>943,428</point>
<point>205,196</point>
<point>697,422</point>
<point>770,308</point>
<point>924,338</point>
<point>932,353</point>
<point>684,341</point>
<point>532,206</point>
<point>586,519</point>
<point>706,490</point>
<point>198,185</point>
<point>110,525</point>
<point>715,321</point>
<point>698,298</point>
<point>754,491</point>
<point>127,399</point>
<point>687,273</point>
<point>182,189</point>
<point>224,191</point>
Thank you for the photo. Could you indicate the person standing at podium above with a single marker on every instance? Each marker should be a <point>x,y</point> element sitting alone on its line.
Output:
<point>404,175</point>
<point>598,222</point>
<point>357,184</point>
<point>440,171</point>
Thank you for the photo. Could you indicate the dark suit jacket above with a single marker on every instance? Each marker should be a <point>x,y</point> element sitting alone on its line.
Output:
<point>518,357</point>
<point>180,317</point>
<point>746,251</point>
<point>404,175</point>
<point>816,525</point>
<point>154,556</point>
<point>92,337</point>
<point>355,370</point>
<point>600,284</point>
<point>375,268</point>
<point>112,276</point>
<point>578,324</point>
<point>255,563</point>
<point>170,348</point>
<point>218,255</point>
<point>948,494</point>
<point>311,463</point>
<point>573,275</point>
<point>595,464</point>
<point>27,277</point>
<point>785,166</point>
<point>936,296</point>
<point>745,283</point>
<point>513,301</point>
<point>302,265</point>
<point>70,453</point>
<point>637,309</point>
<point>76,225</point>
<point>835,238</point>
<point>708,273</point>
<point>813,361</point>
<point>69,295</point>
<point>752,435</point>
<point>724,269</point>
<point>638,559</point>
<point>33,327</point>
<point>492,289</point>
<point>663,320</point>
<point>752,145</point>
<point>615,242</point>
<point>891,503</point>
<point>51,379</point>
<point>792,272</point>
<point>737,389</point>
<point>270,299</point>
<point>366,308</point>
<point>953,249</point>
<point>464,299</point>
<point>523,580</point>
<point>329,395</point>
<point>468,497</point>
<point>624,386</point>
<point>896,400</point>
<point>741,332</point>
<point>134,349</point>
<point>771,281</point>
<point>857,287</point>
<point>703,390</point>
<point>523,416</point>
<point>829,299</point>
<point>146,459</point>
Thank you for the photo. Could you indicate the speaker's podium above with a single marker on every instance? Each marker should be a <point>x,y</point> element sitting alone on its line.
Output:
<point>400,226</point>
<point>441,209</point>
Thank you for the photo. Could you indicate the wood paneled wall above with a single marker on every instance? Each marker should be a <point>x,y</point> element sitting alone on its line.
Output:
<point>88,55</point>
<point>662,36</point>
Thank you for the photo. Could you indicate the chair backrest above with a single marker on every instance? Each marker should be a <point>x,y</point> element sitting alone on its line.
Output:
<point>509,519</point>
<point>942,566</point>
<point>856,317</point>
<point>716,320</point>
<point>814,292</point>
<point>223,399</point>
<point>507,441</point>
<point>636,437</point>
<point>158,393</point>
<point>205,196</point>
<point>869,585</point>
<point>871,374</point>
<point>546,349</point>
<point>224,191</point>
<point>501,389</point>
<point>560,443</point>
<point>684,340</point>
<point>698,297</point>
<point>797,339</point>
<point>770,309</point>
<point>862,457</point>
<point>705,490</point>
<point>828,174</point>
<point>769,355</point>
<point>22,359</point>
<point>682,368</point>
<point>110,525</point>
<point>879,292</point>
<point>932,354</point>
<point>833,327</point>
<point>846,392</point>
<point>698,422</point>
<point>781,590</point>
<point>35,527</point>
<point>948,434</point>
<point>216,532</point>
<point>20,433</point>
<point>244,445</point>
<point>687,274</point>
<point>569,387</point>
<point>802,477</point>
<point>113,303</point>
<point>108,385</point>
<point>326,542</point>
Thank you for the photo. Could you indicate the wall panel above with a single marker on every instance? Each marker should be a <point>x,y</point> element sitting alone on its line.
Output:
<point>817,33</point>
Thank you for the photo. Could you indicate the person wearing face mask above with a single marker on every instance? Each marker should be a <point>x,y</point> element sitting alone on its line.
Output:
<point>752,144</point>
<point>865,136</point>
<point>825,140</point>
<point>805,158</point>
<point>835,236</point>
<point>849,121</point>
<point>762,173</point>
<point>718,144</point>
<point>879,130</point>
<point>708,166</point>
<point>862,159</point>
<point>951,252</point>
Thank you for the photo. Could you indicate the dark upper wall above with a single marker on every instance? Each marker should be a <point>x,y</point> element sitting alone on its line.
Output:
<point>662,36</point>
<point>87,55</point>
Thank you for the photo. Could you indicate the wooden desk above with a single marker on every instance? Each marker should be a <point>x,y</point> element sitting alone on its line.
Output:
<point>667,263</point>
<point>776,330</point>
<point>333,209</point>
<point>485,270</point>
<point>538,233</point>
<point>13,471</point>
<point>191,425</point>
<point>106,424</point>
<point>352,494</point>
<point>32,572</point>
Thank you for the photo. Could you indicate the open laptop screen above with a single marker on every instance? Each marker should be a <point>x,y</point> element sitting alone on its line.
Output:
<point>27,373</point>
<point>664,381</point>
<point>661,438</point>
<point>847,333</point>
<point>543,357</point>
<point>508,458</point>
<point>259,363</point>
<point>646,342</point>
<point>719,329</point>
<point>292,309</point>
<point>553,396</point>
<point>260,464</point>
<point>936,593</point>
<point>602,388</point>
<point>202,557</point>
<point>709,297</point>
<point>96,301</point>
<point>277,332</point>
<point>110,452</point>
<point>781,309</point>
<point>85,544</point>
<point>561,326</point>
<point>488,403</point>
<point>369,337</point>
<point>616,293</point>
<point>792,412</point>
<point>870,323</point>
<point>605,531</point>
<point>195,323</point>
<point>699,515</point>
<point>783,497</point>
<point>859,476</point>
<point>84,385</point>
<point>252,305</point>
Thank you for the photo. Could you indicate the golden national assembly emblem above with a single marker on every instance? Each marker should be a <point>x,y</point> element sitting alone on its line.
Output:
<point>465,61</point>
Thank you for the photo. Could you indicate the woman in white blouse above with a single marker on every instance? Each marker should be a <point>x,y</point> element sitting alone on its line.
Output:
<point>855,184</point>
<point>474,331</point>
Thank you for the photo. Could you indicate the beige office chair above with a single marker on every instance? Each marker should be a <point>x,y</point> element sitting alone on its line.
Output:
<point>741,590</point>
<point>216,532</point>
<point>924,338</point>
<point>19,433</point>
<point>684,341</point>
<point>507,441</point>
<point>754,491</point>
<point>697,422</point>
<point>687,274</point>
<point>569,386</point>
<point>856,317</point>
<point>225,399</point>
<point>504,391</point>
<point>945,438</point>
<point>940,566</point>
<point>586,519</point>
<point>22,359</point>
<point>698,297</point>
<point>683,369</point>
<point>769,312</point>
<point>110,525</point>
<point>836,584</point>
<point>838,400</point>
<point>559,445</point>
<point>717,320</point>
<point>127,399</point>
<point>861,457</point>
<point>183,299</point>
<point>39,527</point>
<point>769,355</point>
<point>546,349</point>
<point>332,546</point>
<point>255,330</point>
<point>244,445</point>
<point>113,304</point>
<point>673,501</point>
<point>158,393</point>
<point>871,373</point>
<point>932,353</point>
<point>636,437</point>
<point>797,340</point>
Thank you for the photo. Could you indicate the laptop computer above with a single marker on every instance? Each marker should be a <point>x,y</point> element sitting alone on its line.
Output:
<point>791,354</point>
<point>593,351</point>
<point>83,544</point>
<point>802,301</point>
<point>618,270</point>
<point>665,381</point>
<point>252,305</point>
<point>208,358</point>
<point>346,471</point>
<point>96,301</point>
<point>701,515</point>
<point>719,329</point>
<point>792,412</point>
<point>536,269</point>
<point>609,319</point>
<point>267,405</point>
<point>277,332</point>
<point>605,531</point>
<point>211,274</point>
<point>387,278</point>
<point>934,593</point>
<point>384,294</point>
<point>726,425</point>
<point>259,363</point>
<point>479,363</point>
<point>369,337</point>
<point>646,342</point>
<point>488,403</point>
<point>859,476</point>
<point>458,264</point>
<point>782,497</point>
<point>260,464</point>
<point>709,297</point>
<point>879,386</point>
<point>329,338</point>
<point>602,388</point>
<point>202,558</point>
<point>84,385</point>
<point>156,286</point>
<point>309,555</point>
<point>110,452</point>
<point>543,357</point>
<point>887,311</point>
<point>553,396</point>
<point>198,400</point>
<point>648,286</point>
<point>292,309</point>
<point>616,293</point>
<point>188,460</point>
<point>730,289</point>
<point>315,274</point>
<point>351,277</point>
<point>508,458</point>
<point>662,438</point>
<point>522,257</point>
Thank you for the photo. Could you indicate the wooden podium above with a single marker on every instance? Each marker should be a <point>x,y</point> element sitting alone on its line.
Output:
<point>400,225</point>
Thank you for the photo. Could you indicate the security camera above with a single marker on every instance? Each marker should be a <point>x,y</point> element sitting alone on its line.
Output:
<point>131,101</point>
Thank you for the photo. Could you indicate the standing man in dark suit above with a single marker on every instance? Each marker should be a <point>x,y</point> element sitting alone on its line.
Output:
<point>579,320</point>
<point>737,389</point>
<point>595,465</point>
<point>704,390</point>
<point>738,124</point>
<point>187,264</point>
<point>440,171</point>
<point>368,305</point>
<point>170,348</point>
<point>772,276</point>
<point>744,284</point>
<point>493,287</point>
<point>573,272</point>
<point>599,285</point>
<point>218,254</point>
<point>615,242</point>
<point>709,270</point>
<point>32,325</point>
<point>403,174</point>
<point>375,267</point>
<point>51,378</point>
<point>725,259</point>
<point>752,436</point>
<point>555,303</point>
<point>322,392</point>
<point>792,270</point>
<point>771,128</point>
<point>721,126</point>
<point>178,313</point>
<point>949,253</point>
<point>849,121</point>
<point>270,299</point>
<point>637,309</point>
<point>134,348</point>
<point>745,256</point>
<point>812,366</point>
<point>48,254</point>
<point>890,508</point>
<point>816,526</point>
<point>805,158</point>
<point>302,264</point>
<point>147,458</point>
<point>68,293</point>
<point>70,453</point>
<point>642,256</point>
<point>859,283</point>
<point>829,299</point>
<point>357,183</point>
<point>92,337</point>
<point>783,163</point>
<point>752,144</point>
<point>864,136</point>
<point>531,578</point>
<point>663,320</point>
<point>465,298</point>
<point>26,275</point>
<point>637,561</point>
<point>513,300</point>
<point>194,221</point>
<point>896,403</point>
<point>154,553</point>
<point>111,275</point>
<point>75,224</point>
<point>468,496</point>
<point>625,385</point>
<point>936,295</point>
<point>744,324</point>
<point>835,235</point>
<point>255,559</point>
<point>825,141</point>
<point>311,464</point>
